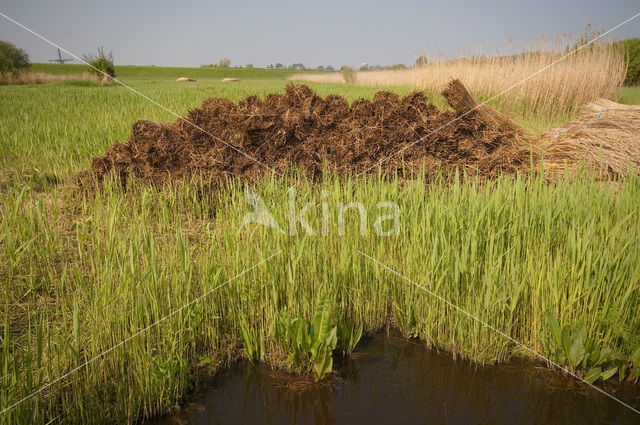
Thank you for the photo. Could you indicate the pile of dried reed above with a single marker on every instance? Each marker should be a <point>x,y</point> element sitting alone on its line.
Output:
<point>605,137</point>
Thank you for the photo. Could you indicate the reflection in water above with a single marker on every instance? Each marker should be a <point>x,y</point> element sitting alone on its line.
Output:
<point>391,380</point>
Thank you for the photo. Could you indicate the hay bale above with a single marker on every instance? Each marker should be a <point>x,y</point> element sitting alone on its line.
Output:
<point>186,79</point>
<point>231,79</point>
<point>605,137</point>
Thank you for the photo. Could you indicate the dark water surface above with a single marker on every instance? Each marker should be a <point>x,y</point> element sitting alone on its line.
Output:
<point>393,381</point>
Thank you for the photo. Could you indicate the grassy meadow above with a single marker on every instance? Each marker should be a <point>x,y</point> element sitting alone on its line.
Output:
<point>128,72</point>
<point>80,119</point>
<point>630,95</point>
<point>81,274</point>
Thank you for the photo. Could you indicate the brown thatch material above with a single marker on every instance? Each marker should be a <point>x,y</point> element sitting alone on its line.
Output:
<point>609,144</point>
<point>299,129</point>
<point>512,145</point>
<point>302,130</point>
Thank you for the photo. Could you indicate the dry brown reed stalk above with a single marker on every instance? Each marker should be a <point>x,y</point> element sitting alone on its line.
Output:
<point>593,72</point>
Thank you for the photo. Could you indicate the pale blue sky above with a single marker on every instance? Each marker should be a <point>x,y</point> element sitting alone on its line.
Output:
<point>327,32</point>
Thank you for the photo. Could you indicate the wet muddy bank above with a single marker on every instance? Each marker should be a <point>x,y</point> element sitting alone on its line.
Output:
<point>392,380</point>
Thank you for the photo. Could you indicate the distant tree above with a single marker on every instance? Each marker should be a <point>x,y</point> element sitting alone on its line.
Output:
<point>279,65</point>
<point>364,67</point>
<point>632,51</point>
<point>224,63</point>
<point>329,68</point>
<point>348,74</point>
<point>270,66</point>
<point>398,66</point>
<point>320,68</point>
<point>12,59</point>
<point>100,64</point>
<point>249,65</point>
<point>422,60</point>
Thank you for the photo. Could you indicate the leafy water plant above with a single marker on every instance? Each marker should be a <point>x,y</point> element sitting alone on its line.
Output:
<point>312,344</point>
<point>575,350</point>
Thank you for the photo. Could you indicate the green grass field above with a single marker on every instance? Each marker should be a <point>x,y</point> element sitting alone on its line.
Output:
<point>126,72</point>
<point>81,274</point>
<point>630,96</point>
<point>80,119</point>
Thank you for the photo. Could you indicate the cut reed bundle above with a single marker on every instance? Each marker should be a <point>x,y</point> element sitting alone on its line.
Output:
<point>605,137</point>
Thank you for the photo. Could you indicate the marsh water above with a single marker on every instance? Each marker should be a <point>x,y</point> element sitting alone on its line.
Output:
<point>390,380</point>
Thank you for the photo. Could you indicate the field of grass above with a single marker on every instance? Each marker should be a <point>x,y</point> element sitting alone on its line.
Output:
<point>630,96</point>
<point>50,131</point>
<point>164,72</point>
<point>81,274</point>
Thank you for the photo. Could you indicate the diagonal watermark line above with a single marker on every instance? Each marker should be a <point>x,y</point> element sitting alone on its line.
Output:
<point>140,94</point>
<point>85,364</point>
<point>499,94</point>
<point>484,323</point>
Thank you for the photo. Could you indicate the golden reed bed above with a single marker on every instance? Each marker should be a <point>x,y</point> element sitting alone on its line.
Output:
<point>593,72</point>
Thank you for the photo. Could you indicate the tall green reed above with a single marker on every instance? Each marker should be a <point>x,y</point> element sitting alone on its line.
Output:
<point>82,274</point>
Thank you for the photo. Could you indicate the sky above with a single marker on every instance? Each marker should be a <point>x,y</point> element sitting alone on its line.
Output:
<point>327,32</point>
